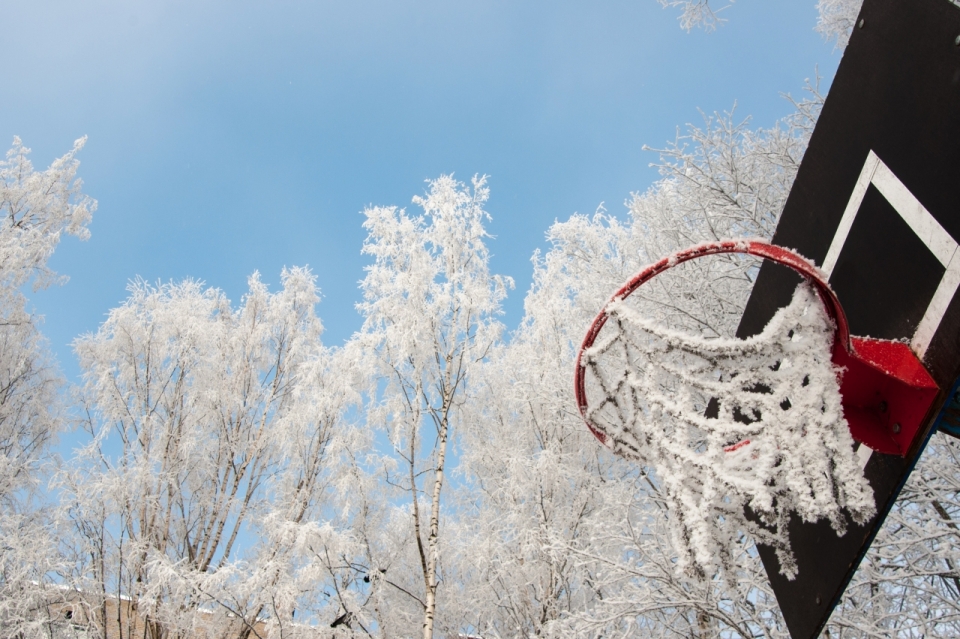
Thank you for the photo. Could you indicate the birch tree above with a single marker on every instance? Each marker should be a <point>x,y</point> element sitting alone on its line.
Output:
<point>697,13</point>
<point>37,208</point>
<point>572,541</point>
<point>533,483</point>
<point>214,439</point>
<point>430,307</point>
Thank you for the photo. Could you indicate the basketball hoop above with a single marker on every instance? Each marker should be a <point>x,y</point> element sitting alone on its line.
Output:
<point>740,433</point>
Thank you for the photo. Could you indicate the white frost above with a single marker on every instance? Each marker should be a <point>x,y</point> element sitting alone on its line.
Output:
<point>776,441</point>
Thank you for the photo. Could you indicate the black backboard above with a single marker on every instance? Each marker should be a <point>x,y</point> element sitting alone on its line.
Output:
<point>876,204</point>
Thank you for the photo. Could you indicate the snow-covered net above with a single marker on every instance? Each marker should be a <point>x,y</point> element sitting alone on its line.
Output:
<point>735,433</point>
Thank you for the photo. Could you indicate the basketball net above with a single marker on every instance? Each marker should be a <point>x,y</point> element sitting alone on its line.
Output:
<point>735,434</point>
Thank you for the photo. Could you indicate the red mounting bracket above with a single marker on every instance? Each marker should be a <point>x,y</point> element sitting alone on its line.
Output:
<point>886,392</point>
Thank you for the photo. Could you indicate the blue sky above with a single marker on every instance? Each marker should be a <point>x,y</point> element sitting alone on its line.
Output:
<point>229,137</point>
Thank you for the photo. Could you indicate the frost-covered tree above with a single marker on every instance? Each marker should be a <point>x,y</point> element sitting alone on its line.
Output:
<point>36,209</point>
<point>908,585</point>
<point>564,539</point>
<point>696,13</point>
<point>532,483</point>
<point>430,307</point>
<point>215,435</point>
<point>836,19</point>
<point>226,487</point>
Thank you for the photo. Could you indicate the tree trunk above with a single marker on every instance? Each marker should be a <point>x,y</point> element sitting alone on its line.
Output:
<point>430,606</point>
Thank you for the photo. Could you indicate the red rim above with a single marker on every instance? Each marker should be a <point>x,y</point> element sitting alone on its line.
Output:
<point>750,247</point>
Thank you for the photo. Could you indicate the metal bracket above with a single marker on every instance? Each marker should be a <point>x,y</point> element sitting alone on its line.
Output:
<point>886,393</point>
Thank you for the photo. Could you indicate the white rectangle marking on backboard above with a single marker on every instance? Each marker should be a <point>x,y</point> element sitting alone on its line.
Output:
<point>940,243</point>
<point>921,222</point>
<point>938,306</point>
<point>850,213</point>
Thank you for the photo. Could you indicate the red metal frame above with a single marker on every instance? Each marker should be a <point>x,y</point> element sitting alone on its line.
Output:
<point>886,392</point>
